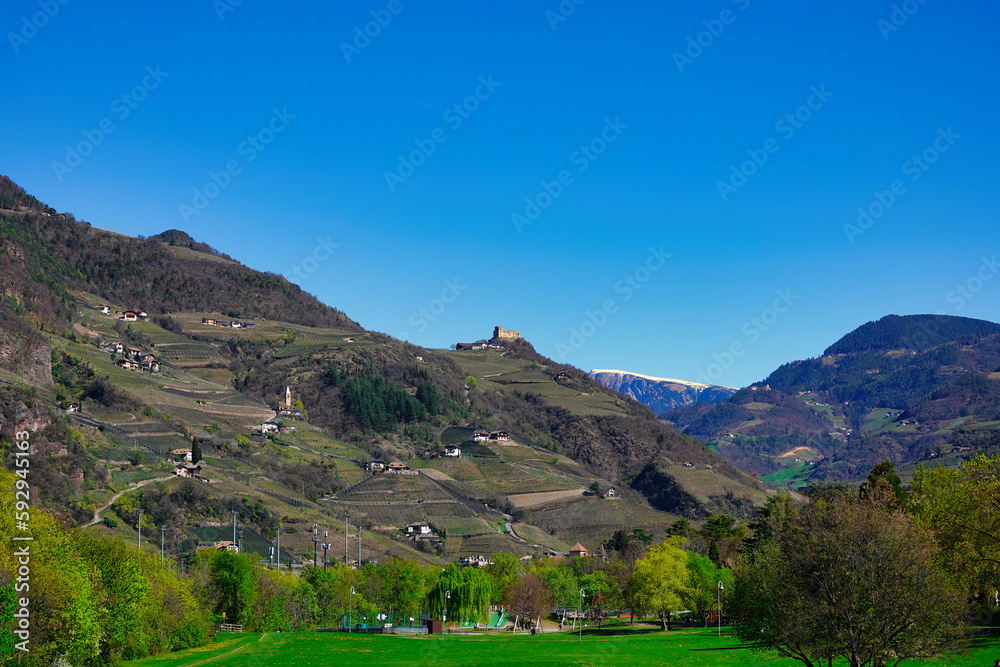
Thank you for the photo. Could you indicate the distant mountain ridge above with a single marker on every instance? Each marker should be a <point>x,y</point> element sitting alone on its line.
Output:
<point>905,388</point>
<point>912,332</point>
<point>660,394</point>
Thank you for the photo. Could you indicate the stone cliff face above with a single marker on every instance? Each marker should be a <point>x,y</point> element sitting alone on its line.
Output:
<point>661,394</point>
<point>18,412</point>
<point>26,353</point>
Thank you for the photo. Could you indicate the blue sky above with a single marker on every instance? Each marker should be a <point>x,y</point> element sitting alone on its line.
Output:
<point>668,190</point>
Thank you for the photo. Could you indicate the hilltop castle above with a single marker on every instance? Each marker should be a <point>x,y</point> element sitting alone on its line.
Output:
<point>500,334</point>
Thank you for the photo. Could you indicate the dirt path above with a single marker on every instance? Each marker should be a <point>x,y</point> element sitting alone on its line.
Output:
<point>97,512</point>
<point>223,655</point>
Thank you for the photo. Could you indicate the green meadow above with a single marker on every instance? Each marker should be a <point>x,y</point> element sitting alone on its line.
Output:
<point>684,647</point>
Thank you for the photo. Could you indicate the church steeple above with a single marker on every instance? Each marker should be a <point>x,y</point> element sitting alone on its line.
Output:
<point>288,396</point>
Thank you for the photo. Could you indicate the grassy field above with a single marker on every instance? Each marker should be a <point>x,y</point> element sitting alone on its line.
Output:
<point>685,648</point>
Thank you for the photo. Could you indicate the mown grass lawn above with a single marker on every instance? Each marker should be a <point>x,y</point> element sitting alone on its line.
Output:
<point>684,648</point>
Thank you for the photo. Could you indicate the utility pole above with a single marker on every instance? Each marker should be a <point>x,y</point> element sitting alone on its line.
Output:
<point>315,548</point>
<point>234,525</point>
<point>359,545</point>
<point>239,545</point>
<point>347,527</point>
<point>139,527</point>
<point>326,547</point>
<point>163,530</point>
<point>279,545</point>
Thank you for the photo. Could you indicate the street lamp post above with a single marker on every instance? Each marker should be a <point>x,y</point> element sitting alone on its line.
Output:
<point>444,616</point>
<point>139,528</point>
<point>315,541</point>
<point>350,609</point>
<point>579,612</point>
<point>163,530</point>
<point>719,606</point>
<point>326,547</point>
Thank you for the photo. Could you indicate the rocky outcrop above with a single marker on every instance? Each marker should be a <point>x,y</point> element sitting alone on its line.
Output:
<point>24,352</point>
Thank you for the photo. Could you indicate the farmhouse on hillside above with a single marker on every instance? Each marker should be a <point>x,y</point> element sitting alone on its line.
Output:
<point>187,469</point>
<point>419,528</point>
<point>183,454</point>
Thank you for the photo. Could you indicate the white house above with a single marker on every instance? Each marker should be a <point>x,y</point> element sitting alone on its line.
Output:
<point>102,309</point>
<point>453,451</point>
<point>268,427</point>
<point>375,466</point>
<point>421,528</point>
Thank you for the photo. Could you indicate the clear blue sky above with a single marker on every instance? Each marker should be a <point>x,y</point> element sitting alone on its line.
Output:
<point>198,85</point>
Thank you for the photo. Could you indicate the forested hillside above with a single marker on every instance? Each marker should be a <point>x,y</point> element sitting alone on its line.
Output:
<point>43,257</point>
<point>902,388</point>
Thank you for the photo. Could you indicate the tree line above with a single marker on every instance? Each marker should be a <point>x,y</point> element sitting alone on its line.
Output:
<point>873,575</point>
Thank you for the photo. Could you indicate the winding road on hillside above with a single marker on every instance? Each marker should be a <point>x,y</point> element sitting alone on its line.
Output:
<point>97,512</point>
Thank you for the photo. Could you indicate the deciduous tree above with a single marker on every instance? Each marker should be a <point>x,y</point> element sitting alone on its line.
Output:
<point>854,579</point>
<point>660,580</point>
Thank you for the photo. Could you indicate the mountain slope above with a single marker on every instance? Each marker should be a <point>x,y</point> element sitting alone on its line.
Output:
<point>362,395</point>
<point>43,257</point>
<point>896,388</point>
<point>660,394</point>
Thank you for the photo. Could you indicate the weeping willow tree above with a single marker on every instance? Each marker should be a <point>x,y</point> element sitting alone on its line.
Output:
<point>470,591</point>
